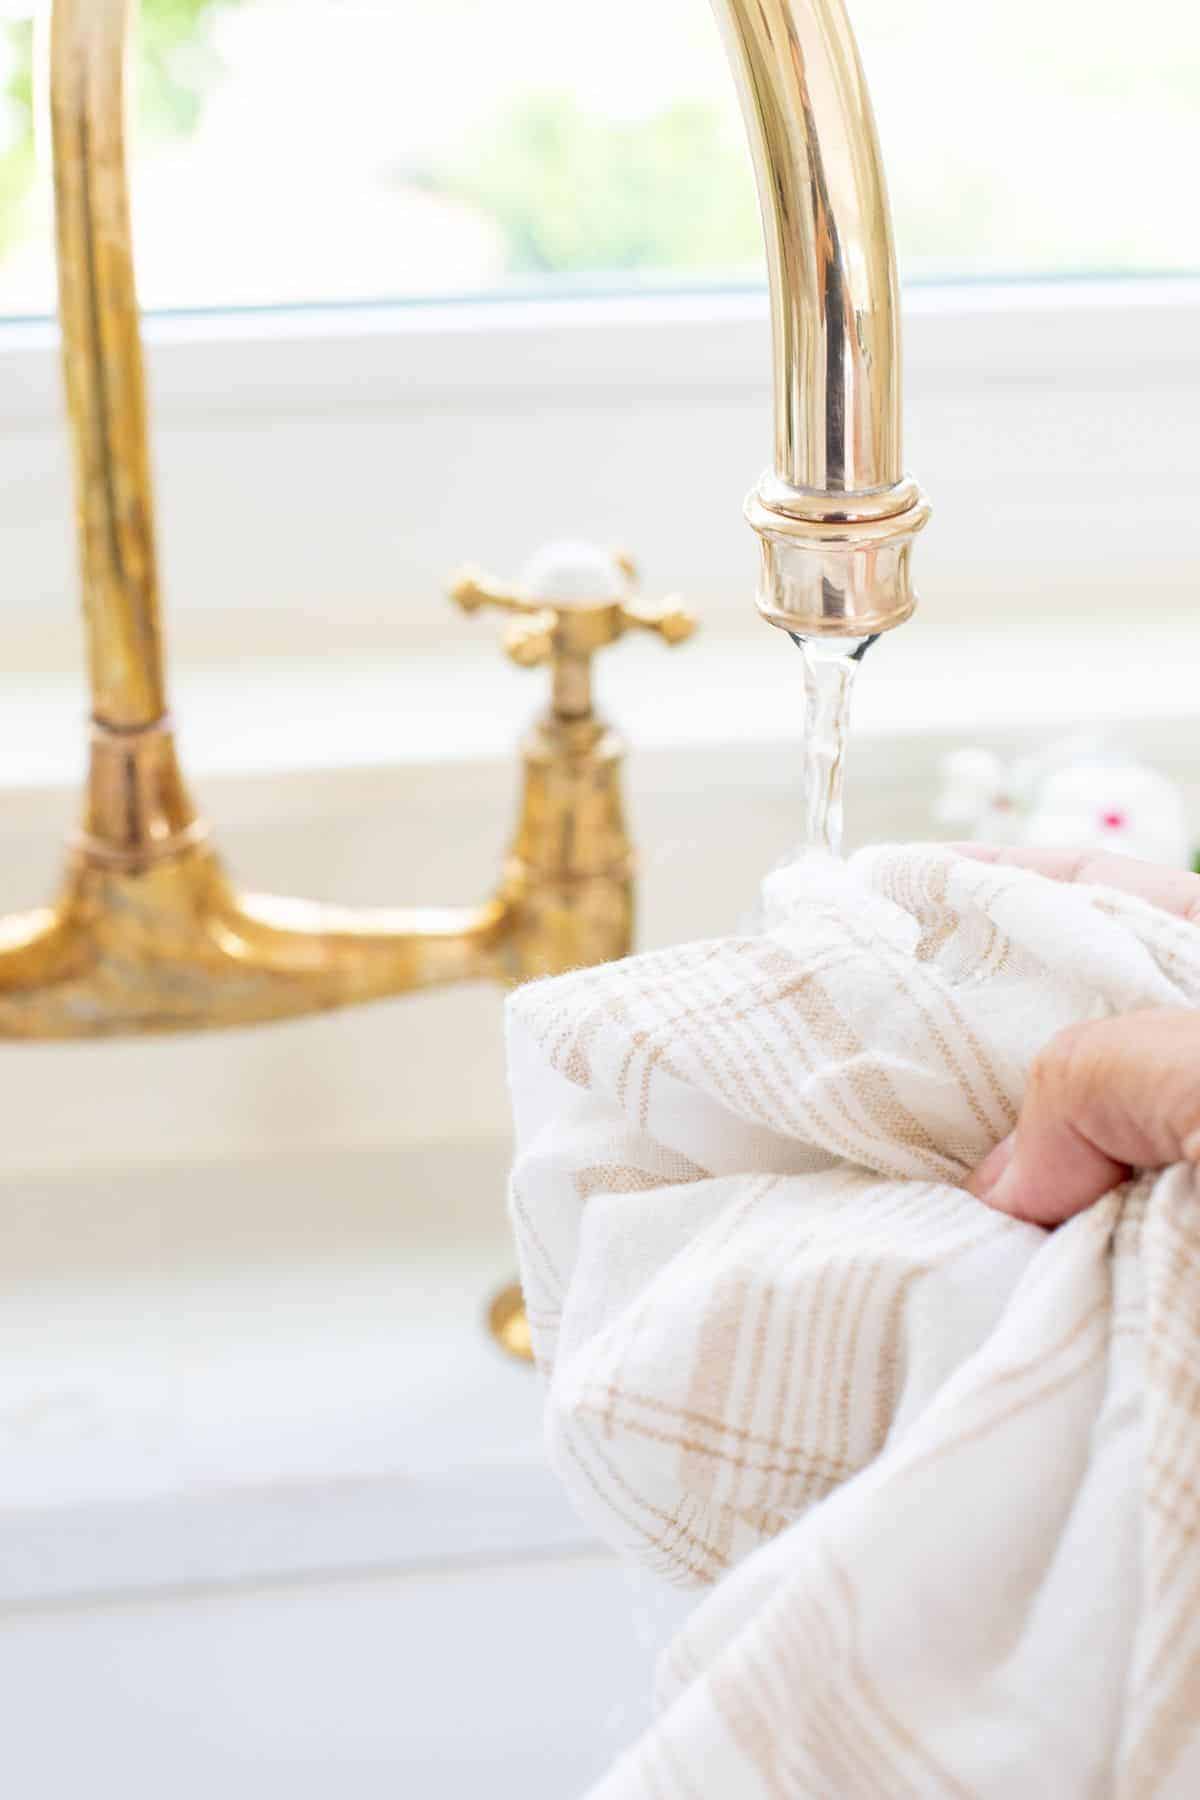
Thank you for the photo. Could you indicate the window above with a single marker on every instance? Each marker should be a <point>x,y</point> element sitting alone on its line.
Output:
<point>330,150</point>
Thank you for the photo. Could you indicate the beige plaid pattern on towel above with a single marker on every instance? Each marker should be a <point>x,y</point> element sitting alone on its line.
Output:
<point>942,1468</point>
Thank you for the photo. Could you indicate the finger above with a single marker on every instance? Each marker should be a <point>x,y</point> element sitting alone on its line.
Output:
<point>1045,1172</point>
<point>1174,890</point>
<point>1101,1099</point>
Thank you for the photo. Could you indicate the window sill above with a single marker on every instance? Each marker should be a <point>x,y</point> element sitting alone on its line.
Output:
<point>320,474</point>
<point>373,358</point>
<point>1017,679</point>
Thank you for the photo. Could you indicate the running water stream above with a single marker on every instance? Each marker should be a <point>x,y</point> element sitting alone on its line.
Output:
<point>830,665</point>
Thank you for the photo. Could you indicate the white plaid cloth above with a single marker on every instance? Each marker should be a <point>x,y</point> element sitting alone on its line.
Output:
<point>940,1470</point>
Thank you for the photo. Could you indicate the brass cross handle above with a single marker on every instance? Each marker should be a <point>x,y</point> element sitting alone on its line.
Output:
<point>576,602</point>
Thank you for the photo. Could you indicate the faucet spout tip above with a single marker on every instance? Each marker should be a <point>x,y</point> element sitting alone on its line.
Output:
<point>827,574</point>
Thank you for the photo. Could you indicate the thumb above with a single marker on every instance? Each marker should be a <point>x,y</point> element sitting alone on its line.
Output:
<point>1101,1099</point>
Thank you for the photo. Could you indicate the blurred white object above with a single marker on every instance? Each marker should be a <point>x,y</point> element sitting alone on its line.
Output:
<point>1076,795</point>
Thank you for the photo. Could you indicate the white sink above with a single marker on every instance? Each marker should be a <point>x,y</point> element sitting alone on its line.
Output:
<point>170,1334</point>
<point>275,1518</point>
<point>516,1680</point>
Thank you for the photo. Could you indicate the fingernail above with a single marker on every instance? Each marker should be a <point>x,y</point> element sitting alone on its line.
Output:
<point>991,1171</point>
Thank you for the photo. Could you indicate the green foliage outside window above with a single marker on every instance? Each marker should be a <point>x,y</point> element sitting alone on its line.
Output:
<point>564,190</point>
<point>572,192</point>
<point>177,67</point>
<point>16,154</point>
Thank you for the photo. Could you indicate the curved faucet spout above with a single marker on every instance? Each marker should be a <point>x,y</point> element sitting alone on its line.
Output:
<point>829,244</point>
<point>836,513</point>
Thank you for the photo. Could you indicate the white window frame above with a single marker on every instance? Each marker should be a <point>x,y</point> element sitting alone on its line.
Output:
<point>321,470</point>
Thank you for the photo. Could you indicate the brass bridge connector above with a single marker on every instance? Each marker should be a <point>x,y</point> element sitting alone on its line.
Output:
<point>149,935</point>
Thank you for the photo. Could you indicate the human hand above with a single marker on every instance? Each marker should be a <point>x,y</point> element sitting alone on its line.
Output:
<point>1103,1097</point>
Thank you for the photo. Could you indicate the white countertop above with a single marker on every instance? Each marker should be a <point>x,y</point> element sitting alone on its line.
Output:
<point>461,701</point>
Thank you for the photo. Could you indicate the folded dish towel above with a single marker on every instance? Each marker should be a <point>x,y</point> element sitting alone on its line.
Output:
<point>942,1467</point>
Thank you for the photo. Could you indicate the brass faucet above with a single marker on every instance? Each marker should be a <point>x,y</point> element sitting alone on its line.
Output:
<point>148,934</point>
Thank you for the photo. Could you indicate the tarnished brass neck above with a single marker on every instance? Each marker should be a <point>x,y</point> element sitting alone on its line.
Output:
<point>102,362</point>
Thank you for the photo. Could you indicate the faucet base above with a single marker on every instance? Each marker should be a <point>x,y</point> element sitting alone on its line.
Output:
<point>172,947</point>
<point>148,934</point>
